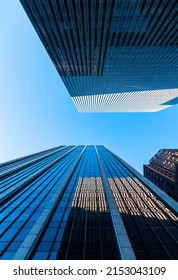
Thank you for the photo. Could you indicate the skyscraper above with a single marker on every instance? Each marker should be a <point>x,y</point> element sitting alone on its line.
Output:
<point>112,55</point>
<point>162,170</point>
<point>83,202</point>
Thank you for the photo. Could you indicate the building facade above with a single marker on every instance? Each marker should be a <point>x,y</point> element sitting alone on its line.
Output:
<point>162,170</point>
<point>83,202</point>
<point>112,55</point>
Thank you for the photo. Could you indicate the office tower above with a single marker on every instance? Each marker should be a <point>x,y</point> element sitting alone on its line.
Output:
<point>112,55</point>
<point>83,202</point>
<point>162,170</point>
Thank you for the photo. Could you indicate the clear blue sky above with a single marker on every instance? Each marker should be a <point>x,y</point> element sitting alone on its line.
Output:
<point>37,113</point>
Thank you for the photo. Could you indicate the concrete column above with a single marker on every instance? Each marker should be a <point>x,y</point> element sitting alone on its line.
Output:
<point>125,247</point>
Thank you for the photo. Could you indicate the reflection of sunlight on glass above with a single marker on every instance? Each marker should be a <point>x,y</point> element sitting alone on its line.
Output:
<point>90,195</point>
<point>89,233</point>
<point>133,197</point>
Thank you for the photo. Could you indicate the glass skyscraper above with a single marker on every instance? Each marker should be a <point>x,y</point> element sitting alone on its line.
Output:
<point>83,202</point>
<point>112,55</point>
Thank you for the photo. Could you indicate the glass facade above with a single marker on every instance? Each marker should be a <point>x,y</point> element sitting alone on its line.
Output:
<point>112,55</point>
<point>83,202</point>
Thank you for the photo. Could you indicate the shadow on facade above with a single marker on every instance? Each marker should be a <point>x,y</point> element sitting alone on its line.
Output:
<point>86,231</point>
<point>152,238</point>
<point>88,235</point>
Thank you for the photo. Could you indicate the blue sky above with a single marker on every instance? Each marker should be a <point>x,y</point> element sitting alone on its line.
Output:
<point>37,113</point>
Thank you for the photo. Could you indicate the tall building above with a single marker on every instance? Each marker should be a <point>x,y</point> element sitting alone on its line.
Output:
<point>162,170</point>
<point>83,202</point>
<point>112,55</point>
